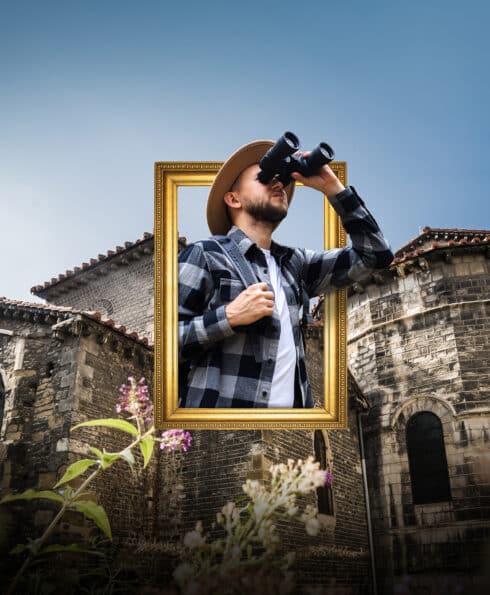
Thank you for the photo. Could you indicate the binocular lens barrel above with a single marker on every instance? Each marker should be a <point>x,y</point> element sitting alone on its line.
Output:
<point>327,151</point>
<point>291,139</point>
<point>319,156</point>
<point>280,161</point>
<point>284,147</point>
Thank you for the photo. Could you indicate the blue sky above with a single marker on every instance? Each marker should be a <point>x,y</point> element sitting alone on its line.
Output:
<point>93,93</point>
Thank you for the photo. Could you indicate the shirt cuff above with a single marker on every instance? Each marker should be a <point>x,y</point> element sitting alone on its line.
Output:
<point>225,329</point>
<point>346,201</point>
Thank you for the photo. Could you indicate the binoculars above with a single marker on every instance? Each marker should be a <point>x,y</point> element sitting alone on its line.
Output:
<point>279,161</point>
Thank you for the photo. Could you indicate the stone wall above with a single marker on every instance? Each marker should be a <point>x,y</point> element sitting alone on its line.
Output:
<point>422,343</point>
<point>38,376</point>
<point>57,373</point>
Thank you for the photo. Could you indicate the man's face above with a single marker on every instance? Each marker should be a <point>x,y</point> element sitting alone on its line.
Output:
<point>264,202</point>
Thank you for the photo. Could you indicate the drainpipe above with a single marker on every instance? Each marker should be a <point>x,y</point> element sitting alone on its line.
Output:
<point>368,506</point>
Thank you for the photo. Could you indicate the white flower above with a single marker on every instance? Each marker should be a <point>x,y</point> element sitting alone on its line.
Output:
<point>194,539</point>
<point>252,488</point>
<point>260,507</point>
<point>228,508</point>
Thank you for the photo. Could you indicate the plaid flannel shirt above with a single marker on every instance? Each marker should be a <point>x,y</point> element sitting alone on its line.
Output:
<point>221,366</point>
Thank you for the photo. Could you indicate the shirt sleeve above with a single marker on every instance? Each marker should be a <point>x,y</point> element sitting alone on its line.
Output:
<point>199,327</point>
<point>341,267</point>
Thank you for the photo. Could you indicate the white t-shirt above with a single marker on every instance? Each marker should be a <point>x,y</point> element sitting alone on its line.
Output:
<point>282,391</point>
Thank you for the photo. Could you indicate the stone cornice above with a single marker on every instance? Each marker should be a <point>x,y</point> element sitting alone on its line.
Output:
<point>59,315</point>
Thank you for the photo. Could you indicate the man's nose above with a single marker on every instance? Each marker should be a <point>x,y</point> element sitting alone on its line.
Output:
<point>276,183</point>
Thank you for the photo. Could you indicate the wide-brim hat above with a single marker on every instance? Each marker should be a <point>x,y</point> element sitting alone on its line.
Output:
<point>216,213</point>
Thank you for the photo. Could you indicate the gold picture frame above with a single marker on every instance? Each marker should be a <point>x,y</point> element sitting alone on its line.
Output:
<point>169,177</point>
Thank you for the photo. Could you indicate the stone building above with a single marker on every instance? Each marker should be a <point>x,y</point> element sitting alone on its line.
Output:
<point>60,366</point>
<point>418,347</point>
<point>120,283</point>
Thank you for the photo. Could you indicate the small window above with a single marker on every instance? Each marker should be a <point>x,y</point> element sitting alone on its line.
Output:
<point>427,459</point>
<point>324,493</point>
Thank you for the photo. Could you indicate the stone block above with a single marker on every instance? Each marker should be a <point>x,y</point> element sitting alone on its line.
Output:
<point>47,480</point>
<point>42,518</point>
<point>62,445</point>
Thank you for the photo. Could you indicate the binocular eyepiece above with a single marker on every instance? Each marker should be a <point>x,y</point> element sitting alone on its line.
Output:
<point>279,162</point>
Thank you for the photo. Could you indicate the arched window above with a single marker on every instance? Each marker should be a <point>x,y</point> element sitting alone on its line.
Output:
<point>427,459</point>
<point>324,493</point>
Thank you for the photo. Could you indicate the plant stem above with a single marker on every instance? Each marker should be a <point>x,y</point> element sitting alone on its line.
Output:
<point>66,504</point>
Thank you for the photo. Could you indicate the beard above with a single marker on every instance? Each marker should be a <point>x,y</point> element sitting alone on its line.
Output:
<point>266,212</point>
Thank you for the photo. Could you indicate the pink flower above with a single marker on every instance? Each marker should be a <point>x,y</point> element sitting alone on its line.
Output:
<point>175,439</point>
<point>134,399</point>
<point>328,478</point>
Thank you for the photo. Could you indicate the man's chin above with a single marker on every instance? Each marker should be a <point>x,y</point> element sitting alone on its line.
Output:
<point>268,214</point>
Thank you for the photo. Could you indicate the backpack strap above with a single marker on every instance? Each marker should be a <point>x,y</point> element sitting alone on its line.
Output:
<point>248,277</point>
<point>241,264</point>
<point>306,317</point>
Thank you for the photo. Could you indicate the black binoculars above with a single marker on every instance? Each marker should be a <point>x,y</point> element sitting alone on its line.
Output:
<point>279,161</point>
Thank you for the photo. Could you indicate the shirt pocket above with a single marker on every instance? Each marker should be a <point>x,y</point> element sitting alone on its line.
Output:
<point>229,289</point>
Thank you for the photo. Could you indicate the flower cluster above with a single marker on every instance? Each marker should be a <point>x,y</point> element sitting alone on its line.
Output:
<point>249,545</point>
<point>287,482</point>
<point>134,399</point>
<point>175,439</point>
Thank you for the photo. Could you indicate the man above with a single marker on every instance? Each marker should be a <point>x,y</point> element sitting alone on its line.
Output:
<point>242,346</point>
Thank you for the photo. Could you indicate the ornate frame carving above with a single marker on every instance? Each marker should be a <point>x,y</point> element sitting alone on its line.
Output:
<point>169,176</point>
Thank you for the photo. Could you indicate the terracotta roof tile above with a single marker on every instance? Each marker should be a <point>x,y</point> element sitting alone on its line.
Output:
<point>435,238</point>
<point>95,261</point>
<point>93,315</point>
<point>88,265</point>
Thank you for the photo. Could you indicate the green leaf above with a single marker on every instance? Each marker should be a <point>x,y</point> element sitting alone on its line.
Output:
<point>128,456</point>
<point>98,453</point>
<point>95,512</point>
<point>74,547</point>
<point>18,549</point>
<point>118,424</point>
<point>76,469</point>
<point>108,458</point>
<point>146,447</point>
<point>31,495</point>
<point>67,492</point>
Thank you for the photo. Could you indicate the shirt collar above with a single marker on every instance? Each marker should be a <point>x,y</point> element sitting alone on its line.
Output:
<point>245,244</point>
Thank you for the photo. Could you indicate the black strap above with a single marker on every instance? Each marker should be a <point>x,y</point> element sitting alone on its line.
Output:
<point>306,317</point>
<point>248,277</point>
<point>241,264</point>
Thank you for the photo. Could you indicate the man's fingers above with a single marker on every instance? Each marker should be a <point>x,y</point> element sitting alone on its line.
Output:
<point>297,176</point>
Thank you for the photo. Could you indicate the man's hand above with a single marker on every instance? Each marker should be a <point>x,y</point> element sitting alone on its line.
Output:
<point>253,303</point>
<point>325,180</point>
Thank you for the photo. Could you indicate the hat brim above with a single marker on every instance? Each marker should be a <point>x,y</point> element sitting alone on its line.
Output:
<point>216,213</point>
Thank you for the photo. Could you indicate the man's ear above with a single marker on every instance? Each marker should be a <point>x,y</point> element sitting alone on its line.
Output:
<point>231,200</point>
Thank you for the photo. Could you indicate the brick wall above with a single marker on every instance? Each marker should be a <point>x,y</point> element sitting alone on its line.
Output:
<point>121,290</point>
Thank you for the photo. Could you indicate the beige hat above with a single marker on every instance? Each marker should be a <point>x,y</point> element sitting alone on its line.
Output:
<point>247,155</point>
